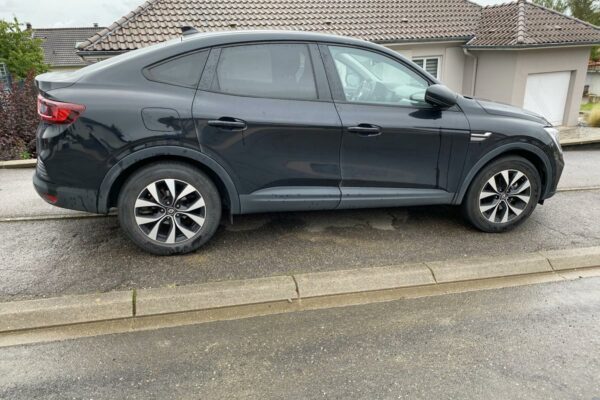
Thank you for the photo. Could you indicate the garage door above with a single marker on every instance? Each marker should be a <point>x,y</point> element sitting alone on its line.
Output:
<point>546,94</point>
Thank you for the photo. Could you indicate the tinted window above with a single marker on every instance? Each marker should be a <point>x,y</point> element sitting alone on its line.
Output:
<point>369,77</point>
<point>183,71</point>
<point>266,70</point>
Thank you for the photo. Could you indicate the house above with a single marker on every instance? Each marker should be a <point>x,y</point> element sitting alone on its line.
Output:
<point>516,53</point>
<point>592,82</point>
<point>59,45</point>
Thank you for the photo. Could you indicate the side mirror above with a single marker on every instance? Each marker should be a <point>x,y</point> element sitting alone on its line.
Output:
<point>440,96</point>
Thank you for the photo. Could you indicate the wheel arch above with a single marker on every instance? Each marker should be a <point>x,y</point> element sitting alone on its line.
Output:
<point>530,152</point>
<point>118,174</point>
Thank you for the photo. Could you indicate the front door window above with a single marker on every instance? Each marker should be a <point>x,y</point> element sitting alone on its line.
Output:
<point>369,77</point>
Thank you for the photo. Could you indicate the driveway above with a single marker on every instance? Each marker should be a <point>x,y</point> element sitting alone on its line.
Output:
<point>71,256</point>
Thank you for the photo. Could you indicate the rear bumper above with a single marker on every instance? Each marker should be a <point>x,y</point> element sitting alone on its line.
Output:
<point>66,197</point>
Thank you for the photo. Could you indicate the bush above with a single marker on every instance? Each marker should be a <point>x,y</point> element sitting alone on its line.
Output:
<point>18,120</point>
<point>593,118</point>
<point>19,51</point>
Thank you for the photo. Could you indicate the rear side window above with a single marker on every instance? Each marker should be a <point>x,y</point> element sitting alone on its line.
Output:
<point>281,71</point>
<point>181,71</point>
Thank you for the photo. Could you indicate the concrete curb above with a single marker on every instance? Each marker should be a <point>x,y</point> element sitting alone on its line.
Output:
<point>483,268</point>
<point>579,142</point>
<point>19,315</point>
<point>57,217</point>
<point>214,295</point>
<point>284,293</point>
<point>561,260</point>
<point>362,280</point>
<point>18,164</point>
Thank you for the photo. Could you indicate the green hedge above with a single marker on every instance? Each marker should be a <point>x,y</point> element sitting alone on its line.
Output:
<point>18,120</point>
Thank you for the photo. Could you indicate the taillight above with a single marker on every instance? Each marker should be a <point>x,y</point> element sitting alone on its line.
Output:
<point>56,112</point>
<point>50,198</point>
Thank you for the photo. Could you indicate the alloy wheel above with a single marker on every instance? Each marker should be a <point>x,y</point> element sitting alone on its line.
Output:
<point>170,211</point>
<point>505,196</point>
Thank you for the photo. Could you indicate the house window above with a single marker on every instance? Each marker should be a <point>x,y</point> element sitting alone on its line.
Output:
<point>429,64</point>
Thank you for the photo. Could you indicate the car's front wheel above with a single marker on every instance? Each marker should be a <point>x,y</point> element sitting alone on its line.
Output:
<point>169,208</point>
<point>503,194</point>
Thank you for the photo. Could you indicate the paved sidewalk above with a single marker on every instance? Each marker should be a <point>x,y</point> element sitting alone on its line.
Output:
<point>18,198</point>
<point>571,136</point>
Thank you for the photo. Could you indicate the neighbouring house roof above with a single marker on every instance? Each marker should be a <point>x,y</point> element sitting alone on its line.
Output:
<point>374,20</point>
<point>524,24</point>
<point>59,44</point>
<point>517,24</point>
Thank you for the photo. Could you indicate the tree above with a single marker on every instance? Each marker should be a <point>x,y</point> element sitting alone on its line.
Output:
<point>557,5</point>
<point>586,10</point>
<point>19,51</point>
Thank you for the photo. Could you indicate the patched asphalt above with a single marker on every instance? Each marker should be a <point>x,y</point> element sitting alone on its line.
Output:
<point>47,258</point>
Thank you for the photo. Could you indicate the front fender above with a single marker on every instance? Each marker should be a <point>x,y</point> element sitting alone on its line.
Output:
<point>498,151</point>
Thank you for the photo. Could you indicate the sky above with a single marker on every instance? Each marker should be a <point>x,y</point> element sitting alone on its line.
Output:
<point>70,13</point>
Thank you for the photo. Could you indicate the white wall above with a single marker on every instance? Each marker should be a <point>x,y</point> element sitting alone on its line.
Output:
<point>451,55</point>
<point>502,74</point>
<point>593,80</point>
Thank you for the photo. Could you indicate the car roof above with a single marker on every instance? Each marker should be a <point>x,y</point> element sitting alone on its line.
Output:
<point>231,37</point>
<point>133,61</point>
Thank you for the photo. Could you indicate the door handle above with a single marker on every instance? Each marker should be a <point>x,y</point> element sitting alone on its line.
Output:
<point>365,130</point>
<point>228,123</point>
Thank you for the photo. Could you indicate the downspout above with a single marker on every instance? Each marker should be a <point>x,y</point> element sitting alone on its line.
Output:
<point>475,65</point>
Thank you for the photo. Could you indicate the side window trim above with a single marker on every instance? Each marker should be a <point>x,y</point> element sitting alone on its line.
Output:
<point>337,89</point>
<point>147,74</point>
<point>210,69</point>
<point>323,89</point>
<point>319,75</point>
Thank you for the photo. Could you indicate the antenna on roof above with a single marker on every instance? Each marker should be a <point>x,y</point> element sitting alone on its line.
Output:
<point>188,30</point>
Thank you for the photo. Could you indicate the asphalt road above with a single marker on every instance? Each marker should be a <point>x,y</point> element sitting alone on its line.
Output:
<point>530,342</point>
<point>72,256</point>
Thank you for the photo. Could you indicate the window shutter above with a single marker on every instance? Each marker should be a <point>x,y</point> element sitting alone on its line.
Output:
<point>431,66</point>
<point>428,64</point>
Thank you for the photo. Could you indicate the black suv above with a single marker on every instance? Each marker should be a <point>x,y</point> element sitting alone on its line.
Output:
<point>251,122</point>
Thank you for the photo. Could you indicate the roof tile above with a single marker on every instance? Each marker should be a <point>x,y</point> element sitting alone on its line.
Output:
<point>524,24</point>
<point>375,20</point>
<point>59,44</point>
<point>512,24</point>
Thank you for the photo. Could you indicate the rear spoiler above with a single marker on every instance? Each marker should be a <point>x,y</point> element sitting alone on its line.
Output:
<point>55,80</point>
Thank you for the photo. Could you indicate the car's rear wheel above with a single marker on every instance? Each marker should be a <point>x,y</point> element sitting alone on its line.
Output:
<point>503,194</point>
<point>169,208</point>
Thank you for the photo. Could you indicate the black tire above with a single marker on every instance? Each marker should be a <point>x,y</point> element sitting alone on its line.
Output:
<point>471,203</point>
<point>183,173</point>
